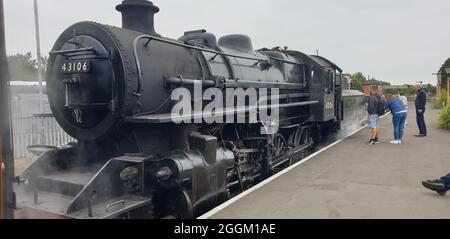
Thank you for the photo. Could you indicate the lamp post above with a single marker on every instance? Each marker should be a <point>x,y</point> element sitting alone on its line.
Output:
<point>38,54</point>
<point>438,85</point>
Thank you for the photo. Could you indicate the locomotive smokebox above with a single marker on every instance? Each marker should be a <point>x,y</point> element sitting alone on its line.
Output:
<point>138,15</point>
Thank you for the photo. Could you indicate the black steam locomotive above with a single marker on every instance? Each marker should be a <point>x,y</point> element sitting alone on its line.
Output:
<point>110,88</point>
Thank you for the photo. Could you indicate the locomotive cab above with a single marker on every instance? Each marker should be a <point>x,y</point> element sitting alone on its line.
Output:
<point>326,88</point>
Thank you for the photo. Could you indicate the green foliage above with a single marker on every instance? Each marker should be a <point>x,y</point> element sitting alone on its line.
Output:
<point>44,62</point>
<point>22,62</point>
<point>443,97</point>
<point>430,89</point>
<point>390,91</point>
<point>410,92</point>
<point>444,115</point>
<point>441,101</point>
<point>436,104</point>
<point>358,80</point>
<point>23,67</point>
<point>444,74</point>
<point>385,83</point>
<point>407,92</point>
<point>444,118</point>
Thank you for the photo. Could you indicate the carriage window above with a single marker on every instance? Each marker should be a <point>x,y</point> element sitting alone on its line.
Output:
<point>329,82</point>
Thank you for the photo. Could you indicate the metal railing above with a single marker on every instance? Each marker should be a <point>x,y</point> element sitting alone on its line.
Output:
<point>31,128</point>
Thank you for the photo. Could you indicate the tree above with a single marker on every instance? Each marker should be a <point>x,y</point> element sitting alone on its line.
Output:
<point>391,91</point>
<point>407,91</point>
<point>430,89</point>
<point>385,83</point>
<point>410,92</point>
<point>444,75</point>
<point>24,68</point>
<point>44,62</point>
<point>358,80</point>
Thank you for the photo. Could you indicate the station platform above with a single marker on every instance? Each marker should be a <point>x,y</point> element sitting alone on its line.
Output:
<point>351,179</point>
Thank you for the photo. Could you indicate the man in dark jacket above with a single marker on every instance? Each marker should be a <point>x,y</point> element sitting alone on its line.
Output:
<point>421,101</point>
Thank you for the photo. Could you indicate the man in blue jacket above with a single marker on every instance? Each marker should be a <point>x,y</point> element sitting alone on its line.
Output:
<point>421,102</point>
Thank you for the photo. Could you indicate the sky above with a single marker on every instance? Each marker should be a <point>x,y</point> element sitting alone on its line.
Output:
<point>401,41</point>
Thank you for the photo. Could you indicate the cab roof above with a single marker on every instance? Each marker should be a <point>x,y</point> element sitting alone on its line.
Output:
<point>325,62</point>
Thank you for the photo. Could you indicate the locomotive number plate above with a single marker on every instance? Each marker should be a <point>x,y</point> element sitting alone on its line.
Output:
<point>81,66</point>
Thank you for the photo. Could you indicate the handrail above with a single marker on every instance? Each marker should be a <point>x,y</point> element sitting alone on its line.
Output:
<point>79,50</point>
<point>175,43</point>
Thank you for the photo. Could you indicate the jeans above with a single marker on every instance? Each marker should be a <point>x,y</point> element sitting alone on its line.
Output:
<point>399,125</point>
<point>446,180</point>
<point>421,122</point>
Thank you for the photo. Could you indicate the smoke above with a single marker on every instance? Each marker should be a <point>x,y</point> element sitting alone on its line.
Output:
<point>354,118</point>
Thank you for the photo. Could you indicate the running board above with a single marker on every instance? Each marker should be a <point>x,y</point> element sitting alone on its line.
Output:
<point>169,118</point>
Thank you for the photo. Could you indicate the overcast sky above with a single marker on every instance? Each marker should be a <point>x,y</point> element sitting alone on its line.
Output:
<point>399,41</point>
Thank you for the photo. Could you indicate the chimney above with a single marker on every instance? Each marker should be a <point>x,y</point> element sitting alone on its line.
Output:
<point>138,15</point>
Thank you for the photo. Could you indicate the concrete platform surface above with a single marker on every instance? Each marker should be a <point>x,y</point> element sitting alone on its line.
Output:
<point>355,180</point>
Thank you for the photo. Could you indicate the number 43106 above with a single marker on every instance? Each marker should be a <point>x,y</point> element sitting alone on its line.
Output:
<point>75,67</point>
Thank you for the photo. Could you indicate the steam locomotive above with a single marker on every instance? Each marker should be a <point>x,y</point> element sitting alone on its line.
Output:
<point>111,88</point>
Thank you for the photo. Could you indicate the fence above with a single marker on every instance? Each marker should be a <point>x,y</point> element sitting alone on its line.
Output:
<point>32,128</point>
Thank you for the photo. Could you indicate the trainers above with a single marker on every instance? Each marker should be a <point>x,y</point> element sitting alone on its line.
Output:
<point>435,185</point>
<point>394,141</point>
<point>371,142</point>
<point>375,141</point>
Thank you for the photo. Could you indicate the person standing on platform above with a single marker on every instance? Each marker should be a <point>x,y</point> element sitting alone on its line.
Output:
<point>373,121</point>
<point>404,100</point>
<point>399,115</point>
<point>421,102</point>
